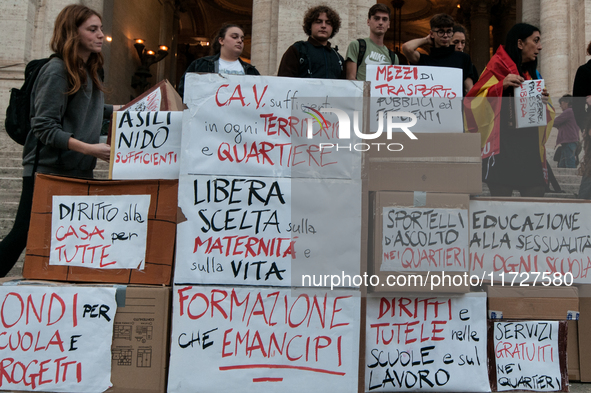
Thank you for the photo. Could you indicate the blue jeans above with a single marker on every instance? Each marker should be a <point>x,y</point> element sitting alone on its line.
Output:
<point>585,188</point>
<point>567,158</point>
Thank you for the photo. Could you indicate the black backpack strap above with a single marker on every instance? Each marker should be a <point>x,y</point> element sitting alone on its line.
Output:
<point>304,69</point>
<point>362,49</point>
<point>393,57</point>
<point>339,57</point>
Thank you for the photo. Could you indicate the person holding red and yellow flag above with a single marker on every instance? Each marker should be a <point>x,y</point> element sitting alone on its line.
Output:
<point>512,158</point>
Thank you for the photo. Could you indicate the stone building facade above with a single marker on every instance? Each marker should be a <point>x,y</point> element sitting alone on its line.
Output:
<point>185,26</point>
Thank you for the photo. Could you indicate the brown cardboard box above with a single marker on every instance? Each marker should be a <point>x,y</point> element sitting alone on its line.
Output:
<point>140,341</point>
<point>541,303</point>
<point>170,100</point>
<point>585,332</point>
<point>161,230</point>
<point>382,199</point>
<point>572,352</point>
<point>432,163</point>
<point>536,303</point>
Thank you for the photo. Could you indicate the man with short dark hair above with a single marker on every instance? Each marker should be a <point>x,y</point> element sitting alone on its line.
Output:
<point>315,58</point>
<point>371,50</point>
<point>442,54</point>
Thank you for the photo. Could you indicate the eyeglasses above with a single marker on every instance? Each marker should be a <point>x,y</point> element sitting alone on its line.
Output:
<point>441,33</point>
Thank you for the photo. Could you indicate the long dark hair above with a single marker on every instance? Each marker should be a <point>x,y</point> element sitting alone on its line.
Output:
<point>520,32</point>
<point>65,41</point>
<point>217,47</point>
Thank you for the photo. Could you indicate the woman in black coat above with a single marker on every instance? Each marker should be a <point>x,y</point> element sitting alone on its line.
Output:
<point>227,48</point>
<point>581,105</point>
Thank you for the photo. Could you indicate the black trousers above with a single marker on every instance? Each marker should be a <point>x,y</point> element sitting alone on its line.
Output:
<point>15,242</point>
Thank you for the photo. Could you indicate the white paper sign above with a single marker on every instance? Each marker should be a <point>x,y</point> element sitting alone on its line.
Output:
<point>263,340</point>
<point>526,356</point>
<point>245,125</point>
<point>267,231</point>
<point>432,94</point>
<point>56,339</point>
<point>416,239</point>
<point>326,231</point>
<point>523,242</point>
<point>149,103</point>
<point>236,231</point>
<point>530,110</point>
<point>435,344</point>
<point>99,231</point>
<point>147,145</point>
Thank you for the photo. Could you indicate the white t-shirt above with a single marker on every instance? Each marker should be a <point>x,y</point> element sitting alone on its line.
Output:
<point>230,67</point>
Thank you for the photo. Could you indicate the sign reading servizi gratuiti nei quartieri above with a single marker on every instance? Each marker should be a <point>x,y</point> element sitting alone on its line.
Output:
<point>527,356</point>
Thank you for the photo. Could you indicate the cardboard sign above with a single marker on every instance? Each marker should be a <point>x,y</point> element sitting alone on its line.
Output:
<point>527,356</point>
<point>146,145</point>
<point>236,231</point>
<point>266,231</point>
<point>415,239</point>
<point>263,340</point>
<point>160,97</point>
<point>518,243</point>
<point>99,231</point>
<point>245,125</point>
<point>56,339</point>
<point>432,94</point>
<point>150,102</point>
<point>530,110</point>
<point>432,344</point>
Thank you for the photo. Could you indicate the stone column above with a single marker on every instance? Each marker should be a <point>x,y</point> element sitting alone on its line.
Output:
<point>27,26</point>
<point>263,48</point>
<point>554,61</point>
<point>276,24</point>
<point>509,18</point>
<point>480,34</point>
<point>530,12</point>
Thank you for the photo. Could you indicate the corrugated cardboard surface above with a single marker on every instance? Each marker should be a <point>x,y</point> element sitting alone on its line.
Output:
<point>534,303</point>
<point>433,162</point>
<point>171,100</point>
<point>140,341</point>
<point>585,332</point>
<point>389,199</point>
<point>161,230</point>
<point>572,352</point>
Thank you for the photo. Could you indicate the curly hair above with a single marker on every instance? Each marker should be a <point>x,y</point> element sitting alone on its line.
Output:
<point>65,42</point>
<point>312,15</point>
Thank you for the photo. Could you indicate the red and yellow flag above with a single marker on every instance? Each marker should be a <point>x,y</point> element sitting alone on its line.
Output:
<point>482,106</point>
